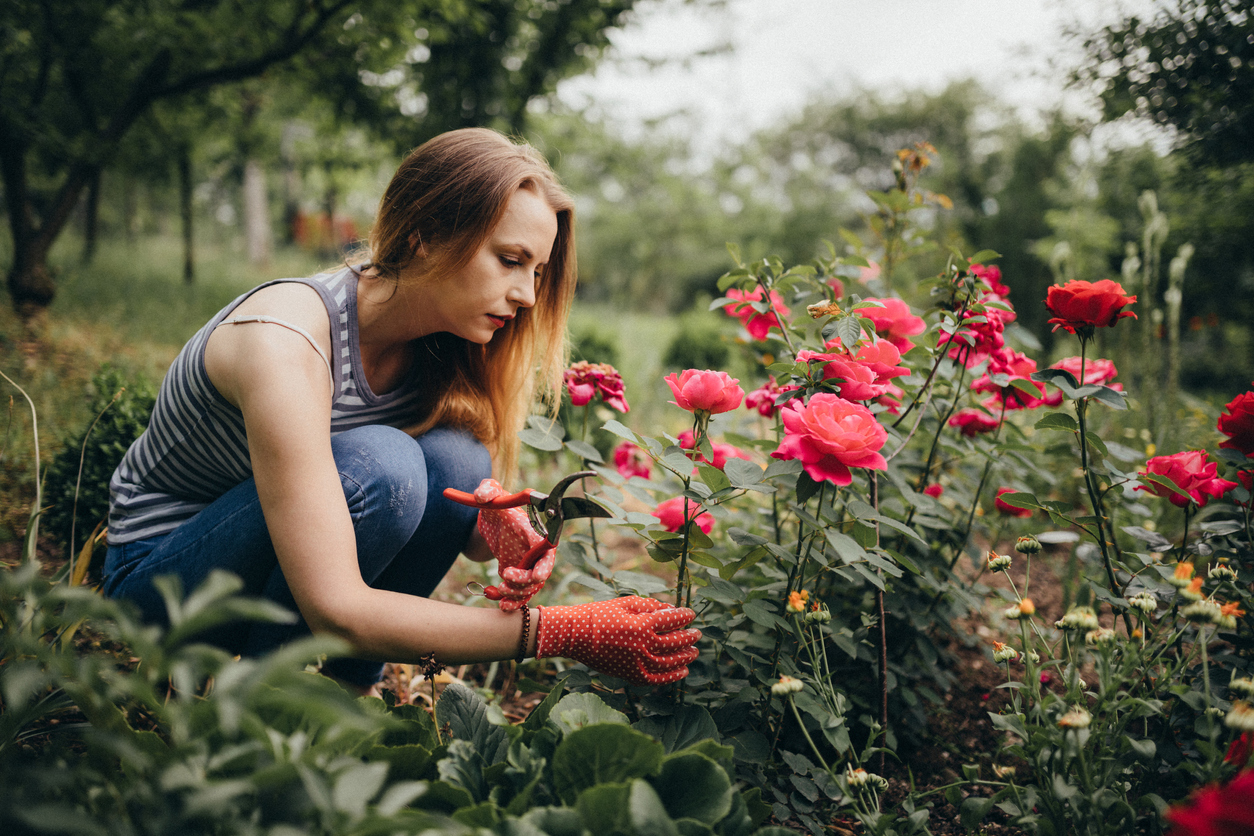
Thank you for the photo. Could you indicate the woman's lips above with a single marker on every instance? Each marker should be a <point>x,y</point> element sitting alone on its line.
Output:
<point>499,321</point>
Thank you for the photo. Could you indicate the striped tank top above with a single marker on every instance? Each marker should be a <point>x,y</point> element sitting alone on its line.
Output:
<point>195,449</point>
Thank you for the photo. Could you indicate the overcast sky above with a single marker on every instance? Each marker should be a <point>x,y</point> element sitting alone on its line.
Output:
<point>785,52</point>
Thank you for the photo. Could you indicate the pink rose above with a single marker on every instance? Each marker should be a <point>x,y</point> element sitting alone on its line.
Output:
<point>763,398</point>
<point>990,275</point>
<point>1096,370</point>
<point>934,490</point>
<point>979,333</point>
<point>671,514</point>
<point>705,391</point>
<point>829,435</point>
<point>630,460</point>
<point>584,380</point>
<point>894,322</point>
<point>1016,366</point>
<point>856,381</point>
<point>1192,472</point>
<point>972,422</point>
<point>756,323</point>
<point>1237,422</point>
<point>1009,510</point>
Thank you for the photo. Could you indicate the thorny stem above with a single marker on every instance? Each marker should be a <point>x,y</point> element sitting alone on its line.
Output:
<point>879,608</point>
<point>953,403</point>
<point>1081,408</point>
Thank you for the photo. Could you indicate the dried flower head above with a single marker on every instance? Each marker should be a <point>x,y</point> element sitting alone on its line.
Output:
<point>1079,618</point>
<point>1075,718</point>
<point>1241,717</point>
<point>1013,612</point>
<point>1242,687</point>
<point>1144,601</point>
<point>1220,572</point>
<point>1102,635</point>
<point>997,561</point>
<point>787,685</point>
<point>1027,544</point>
<point>1004,653</point>
<point>1202,612</point>
<point>819,614</point>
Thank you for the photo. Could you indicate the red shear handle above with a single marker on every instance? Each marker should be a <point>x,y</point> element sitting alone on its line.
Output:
<point>509,500</point>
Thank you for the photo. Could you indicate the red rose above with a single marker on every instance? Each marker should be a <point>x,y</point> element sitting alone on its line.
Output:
<point>894,322</point>
<point>1192,472</point>
<point>1237,423</point>
<point>934,490</point>
<point>671,514</point>
<point>1240,749</point>
<point>980,332</point>
<point>705,391</point>
<point>1009,510</point>
<point>990,275</point>
<point>972,422</point>
<point>1096,370</point>
<point>585,380</point>
<point>829,435</point>
<point>1217,811</point>
<point>756,323</point>
<point>1080,305</point>
<point>1016,366</point>
<point>630,460</point>
<point>763,398</point>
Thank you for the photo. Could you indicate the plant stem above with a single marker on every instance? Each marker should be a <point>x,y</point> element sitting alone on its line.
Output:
<point>882,614</point>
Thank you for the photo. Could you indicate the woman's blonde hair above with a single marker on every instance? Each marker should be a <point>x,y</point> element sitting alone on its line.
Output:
<point>440,208</point>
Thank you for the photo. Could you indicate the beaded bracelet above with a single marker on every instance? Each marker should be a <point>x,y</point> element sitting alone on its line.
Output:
<point>526,628</point>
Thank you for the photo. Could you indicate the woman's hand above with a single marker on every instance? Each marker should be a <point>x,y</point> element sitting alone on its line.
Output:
<point>636,639</point>
<point>510,537</point>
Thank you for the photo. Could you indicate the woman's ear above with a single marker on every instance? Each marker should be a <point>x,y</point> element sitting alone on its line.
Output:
<point>416,246</point>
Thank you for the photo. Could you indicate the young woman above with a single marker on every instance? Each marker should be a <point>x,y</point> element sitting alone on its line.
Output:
<point>304,437</point>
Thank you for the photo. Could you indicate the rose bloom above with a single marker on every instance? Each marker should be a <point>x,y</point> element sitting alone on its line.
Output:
<point>1215,810</point>
<point>865,376</point>
<point>1096,370</point>
<point>972,422</point>
<point>671,514</point>
<point>1017,366</point>
<point>829,435</point>
<point>585,380</point>
<point>763,398</point>
<point>1009,510</point>
<point>1237,422</point>
<point>757,324</point>
<point>894,322</point>
<point>722,451</point>
<point>984,326</point>
<point>705,391</point>
<point>1192,471</point>
<point>990,275</point>
<point>934,490</point>
<point>1080,305</point>
<point>630,460</point>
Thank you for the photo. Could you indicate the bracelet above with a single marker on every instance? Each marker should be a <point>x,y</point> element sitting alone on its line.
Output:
<point>526,628</point>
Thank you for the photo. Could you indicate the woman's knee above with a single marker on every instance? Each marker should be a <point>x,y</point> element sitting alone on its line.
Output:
<point>455,459</point>
<point>383,471</point>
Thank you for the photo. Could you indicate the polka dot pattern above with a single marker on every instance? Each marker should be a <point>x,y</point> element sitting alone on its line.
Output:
<point>636,639</point>
<point>510,535</point>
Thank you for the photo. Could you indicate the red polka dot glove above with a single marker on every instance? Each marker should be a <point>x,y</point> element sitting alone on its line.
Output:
<point>510,536</point>
<point>636,639</point>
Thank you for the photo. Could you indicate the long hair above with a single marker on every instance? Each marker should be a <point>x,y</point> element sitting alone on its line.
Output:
<point>439,209</point>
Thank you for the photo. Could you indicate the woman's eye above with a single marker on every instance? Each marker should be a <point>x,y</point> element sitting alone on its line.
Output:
<point>510,262</point>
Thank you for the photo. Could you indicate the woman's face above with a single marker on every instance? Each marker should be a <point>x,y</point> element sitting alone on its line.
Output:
<point>503,274</point>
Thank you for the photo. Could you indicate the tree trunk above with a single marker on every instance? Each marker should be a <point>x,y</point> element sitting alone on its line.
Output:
<point>256,214</point>
<point>91,217</point>
<point>31,288</point>
<point>185,211</point>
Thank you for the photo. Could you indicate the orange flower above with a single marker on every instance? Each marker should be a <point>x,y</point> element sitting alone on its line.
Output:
<point>1180,578</point>
<point>1194,590</point>
<point>797,601</point>
<point>1026,607</point>
<point>1233,609</point>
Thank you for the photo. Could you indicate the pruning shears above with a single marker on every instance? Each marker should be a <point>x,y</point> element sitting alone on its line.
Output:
<point>548,513</point>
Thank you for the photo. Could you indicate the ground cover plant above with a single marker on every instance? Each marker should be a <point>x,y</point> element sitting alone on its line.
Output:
<point>881,504</point>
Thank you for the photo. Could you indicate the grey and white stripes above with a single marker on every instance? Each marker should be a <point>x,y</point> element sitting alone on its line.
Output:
<point>195,448</point>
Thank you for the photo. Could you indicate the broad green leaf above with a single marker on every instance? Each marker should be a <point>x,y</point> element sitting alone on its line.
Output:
<point>742,473</point>
<point>356,786</point>
<point>575,711</point>
<point>692,786</point>
<point>845,546</point>
<point>584,450</point>
<point>619,430</point>
<point>1058,421</point>
<point>407,761</point>
<point>601,754</point>
<point>688,725</point>
<point>466,714</point>
<point>1019,499</point>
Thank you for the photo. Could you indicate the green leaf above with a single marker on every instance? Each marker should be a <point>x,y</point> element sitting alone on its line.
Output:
<point>806,487</point>
<point>619,430</point>
<point>466,714</point>
<point>1095,442</point>
<point>1113,398</point>
<point>1058,421</point>
<point>356,786</point>
<point>405,762</point>
<point>984,256</point>
<point>688,725</point>
<point>1019,499</point>
<point>1144,748</point>
<point>540,714</point>
<point>845,546</point>
<point>713,477</point>
<point>575,711</point>
<point>742,473</point>
<point>693,786</point>
<point>973,811</point>
<point>585,451</point>
<point>602,754</point>
<point>540,440</point>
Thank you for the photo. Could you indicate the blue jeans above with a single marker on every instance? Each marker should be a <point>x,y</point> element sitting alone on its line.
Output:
<point>408,535</point>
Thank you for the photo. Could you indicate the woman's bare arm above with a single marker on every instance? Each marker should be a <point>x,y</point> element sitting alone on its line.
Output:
<point>280,384</point>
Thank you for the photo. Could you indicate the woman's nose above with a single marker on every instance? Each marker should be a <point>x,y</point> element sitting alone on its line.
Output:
<point>523,292</point>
